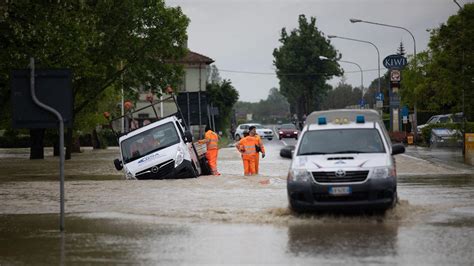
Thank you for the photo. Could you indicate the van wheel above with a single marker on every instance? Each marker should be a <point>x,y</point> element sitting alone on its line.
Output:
<point>195,172</point>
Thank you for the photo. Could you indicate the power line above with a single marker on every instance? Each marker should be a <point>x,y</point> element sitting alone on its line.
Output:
<point>289,74</point>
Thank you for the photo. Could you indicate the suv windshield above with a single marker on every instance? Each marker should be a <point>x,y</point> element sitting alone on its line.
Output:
<point>365,140</point>
<point>149,141</point>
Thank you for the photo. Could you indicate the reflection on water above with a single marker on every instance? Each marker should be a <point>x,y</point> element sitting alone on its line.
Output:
<point>225,219</point>
<point>336,240</point>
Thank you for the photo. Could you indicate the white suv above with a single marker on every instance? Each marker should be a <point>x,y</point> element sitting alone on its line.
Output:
<point>261,131</point>
<point>343,160</point>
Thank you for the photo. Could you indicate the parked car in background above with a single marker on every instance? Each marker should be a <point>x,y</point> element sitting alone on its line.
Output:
<point>441,119</point>
<point>287,131</point>
<point>261,131</point>
<point>443,137</point>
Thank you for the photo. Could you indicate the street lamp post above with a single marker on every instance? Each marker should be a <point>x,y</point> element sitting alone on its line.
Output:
<point>354,63</point>
<point>462,84</point>
<point>354,20</point>
<point>357,40</point>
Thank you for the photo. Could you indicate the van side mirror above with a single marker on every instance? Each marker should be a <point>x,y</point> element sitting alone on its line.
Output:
<point>188,137</point>
<point>397,149</point>
<point>118,164</point>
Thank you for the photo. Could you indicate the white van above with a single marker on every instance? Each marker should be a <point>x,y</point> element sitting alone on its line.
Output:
<point>160,150</point>
<point>343,160</point>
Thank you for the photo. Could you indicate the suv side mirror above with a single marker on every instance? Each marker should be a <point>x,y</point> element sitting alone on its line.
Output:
<point>118,164</point>
<point>397,149</point>
<point>188,137</point>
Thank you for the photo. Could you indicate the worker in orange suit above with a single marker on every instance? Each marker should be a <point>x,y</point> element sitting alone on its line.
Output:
<point>211,139</point>
<point>247,146</point>
<point>253,130</point>
<point>237,145</point>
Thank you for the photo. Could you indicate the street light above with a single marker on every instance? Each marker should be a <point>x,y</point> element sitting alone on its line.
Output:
<point>357,40</point>
<point>355,20</point>
<point>349,62</point>
<point>462,84</point>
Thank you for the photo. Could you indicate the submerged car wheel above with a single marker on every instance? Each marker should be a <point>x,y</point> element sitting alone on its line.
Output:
<point>295,207</point>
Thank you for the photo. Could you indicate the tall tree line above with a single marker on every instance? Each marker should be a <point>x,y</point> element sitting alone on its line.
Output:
<point>443,76</point>
<point>106,44</point>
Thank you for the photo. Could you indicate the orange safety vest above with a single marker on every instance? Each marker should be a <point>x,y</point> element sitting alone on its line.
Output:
<point>211,140</point>
<point>247,145</point>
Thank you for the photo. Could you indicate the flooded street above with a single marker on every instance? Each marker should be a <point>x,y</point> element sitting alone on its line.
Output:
<point>224,219</point>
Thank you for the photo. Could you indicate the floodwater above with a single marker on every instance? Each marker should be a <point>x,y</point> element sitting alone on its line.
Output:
<point>219,220</point>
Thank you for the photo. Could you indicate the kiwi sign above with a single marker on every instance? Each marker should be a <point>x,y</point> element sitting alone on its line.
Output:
<point>395,61</point>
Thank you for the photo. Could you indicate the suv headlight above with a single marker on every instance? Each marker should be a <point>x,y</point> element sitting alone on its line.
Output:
<point>384,172</point>
<point>299,175</point>
<point>179,157</point>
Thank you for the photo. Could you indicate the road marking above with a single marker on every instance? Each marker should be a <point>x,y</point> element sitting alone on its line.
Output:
<point>284,143</point>
<point>415,158</point>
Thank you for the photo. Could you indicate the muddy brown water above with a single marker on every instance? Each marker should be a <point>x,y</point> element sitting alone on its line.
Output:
<point>219,220</point>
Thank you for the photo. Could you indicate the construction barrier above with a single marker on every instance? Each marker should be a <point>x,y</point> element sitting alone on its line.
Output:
<point>469,148</point>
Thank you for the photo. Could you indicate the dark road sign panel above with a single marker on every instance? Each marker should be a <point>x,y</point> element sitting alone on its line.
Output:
<point>52,87</point>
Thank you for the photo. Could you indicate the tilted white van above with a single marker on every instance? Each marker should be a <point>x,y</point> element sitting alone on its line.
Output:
<point>160,150</point>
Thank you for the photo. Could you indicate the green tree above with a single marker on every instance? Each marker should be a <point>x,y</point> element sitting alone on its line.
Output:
<point>270,110</point>
<point>301,72</point>
<point>213,75</point>
<point>445,71</point>
<point>341,96</point>
<point>223,96</point>
<point>100,41</point>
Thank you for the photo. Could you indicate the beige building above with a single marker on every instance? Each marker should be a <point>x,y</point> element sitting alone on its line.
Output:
<point>196,68</point>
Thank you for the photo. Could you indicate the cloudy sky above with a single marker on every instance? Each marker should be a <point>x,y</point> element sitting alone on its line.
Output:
<point>240,35</point>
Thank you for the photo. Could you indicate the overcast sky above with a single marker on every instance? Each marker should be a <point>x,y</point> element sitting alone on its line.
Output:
<point>240,35</point>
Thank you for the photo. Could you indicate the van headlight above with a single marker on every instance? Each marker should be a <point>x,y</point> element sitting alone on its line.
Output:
<point>129,175</point>
<point>299,175</point>
<point>384,172</point>
<point>179,157</point>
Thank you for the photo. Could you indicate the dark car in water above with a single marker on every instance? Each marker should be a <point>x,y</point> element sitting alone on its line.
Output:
<point>288,131</point>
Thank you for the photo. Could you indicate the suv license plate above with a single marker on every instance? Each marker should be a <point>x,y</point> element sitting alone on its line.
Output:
<point>338,191</point>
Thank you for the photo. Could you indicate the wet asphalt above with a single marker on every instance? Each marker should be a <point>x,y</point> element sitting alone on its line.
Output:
<point>230,219</point>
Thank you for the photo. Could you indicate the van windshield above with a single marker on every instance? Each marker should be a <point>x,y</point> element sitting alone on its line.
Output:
<point>149,141</point>
<point>336,141</point>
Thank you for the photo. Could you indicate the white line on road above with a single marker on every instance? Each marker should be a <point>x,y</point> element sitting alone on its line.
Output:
<point>414,158</point>
<point>284,143</point>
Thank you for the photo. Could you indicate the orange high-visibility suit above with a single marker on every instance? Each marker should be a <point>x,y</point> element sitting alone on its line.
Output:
<point>211,139</point>
<point>248,150</point>
<point>257,155</point>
